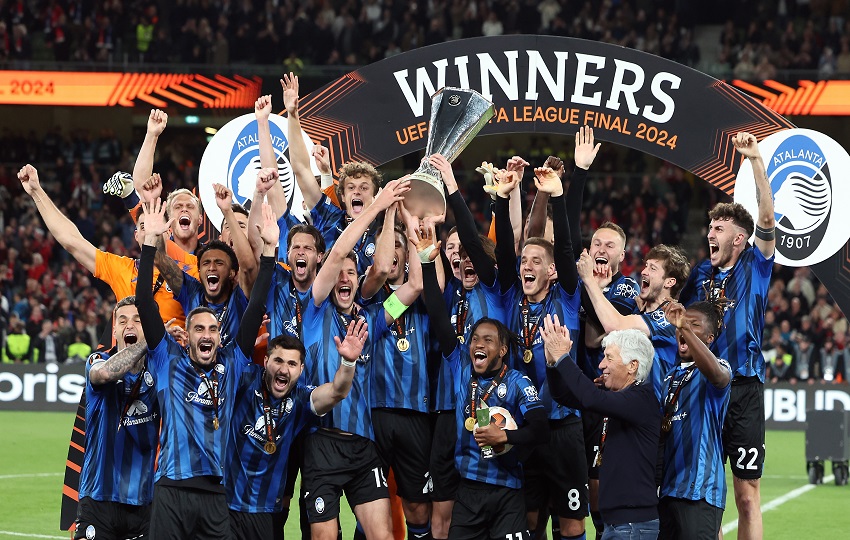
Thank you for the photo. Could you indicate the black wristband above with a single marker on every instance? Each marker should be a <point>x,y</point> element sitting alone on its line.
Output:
<point>766,234</point>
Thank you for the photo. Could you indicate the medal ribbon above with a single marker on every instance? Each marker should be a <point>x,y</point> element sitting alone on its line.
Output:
<point>267,413</point>
<point>473,385</point>
<point>297,305</point>
<point>528,330</point>
<point>399,322</point>
<point>462,311</point>
<point>716,292</point>
<point>674,389</point>
<point>212,388</point>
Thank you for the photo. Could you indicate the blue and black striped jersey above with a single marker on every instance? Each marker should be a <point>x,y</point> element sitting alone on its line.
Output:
<point>693,451</point>
<point>190,445</point>
<point>119,463</point>
<point>321,324</point>
<point>516,395</point>
<point>255,479</point>
<point>745,287</point>
<point>557,302</point>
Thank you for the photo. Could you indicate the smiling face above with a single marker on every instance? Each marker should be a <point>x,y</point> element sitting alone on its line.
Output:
<point>536,268</point>
<point>453,254</point>
<point>346,287</point>
<point>725,242</point>
<point>217,275</point>
<point>606,247</point>
<point>486,349</point>
<point>615,374</point>
<point>204,338</point>
<point>127,326</point>
<point>357,194</point>
<point>303,258</point>
<point>283,368</point>
<point>653,280</point>
<point>701,328</point>
<point>187,216</point>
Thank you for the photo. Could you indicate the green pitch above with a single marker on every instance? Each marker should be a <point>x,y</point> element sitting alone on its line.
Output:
<point>34,446</point>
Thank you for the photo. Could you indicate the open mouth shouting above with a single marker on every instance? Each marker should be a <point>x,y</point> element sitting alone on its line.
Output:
<point>713,249</point>
<point>205,349</point>
<point>280,382</point>
<point>528,280</point>
<point>644,283</point>
<point>683,347</point>
<point>300,267</point>
<point>357,205</point>
<point>130,338</point>
<point>600,260</point>
<point>184,222</point>
<point>455,263</point>
<point>213,283</point>
<point>479,360</point>
<point>344,294</point>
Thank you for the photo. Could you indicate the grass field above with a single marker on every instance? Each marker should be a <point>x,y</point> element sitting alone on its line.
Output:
<point>34,446</point>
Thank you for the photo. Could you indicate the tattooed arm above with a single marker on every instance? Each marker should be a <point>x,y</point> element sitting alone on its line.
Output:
<point>116,366</point>
<point>168,268</point>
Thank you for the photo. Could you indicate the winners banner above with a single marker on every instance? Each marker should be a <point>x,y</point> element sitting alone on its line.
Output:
<point>554,85</point>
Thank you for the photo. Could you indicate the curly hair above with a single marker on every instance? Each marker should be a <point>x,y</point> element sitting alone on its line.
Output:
<point>354,169</point>
<point>734,212</point>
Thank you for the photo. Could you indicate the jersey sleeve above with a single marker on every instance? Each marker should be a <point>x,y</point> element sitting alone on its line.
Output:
<point>187,262</point>
<point>189,292</point>
<point>528,397</point>
<point>325,215</point>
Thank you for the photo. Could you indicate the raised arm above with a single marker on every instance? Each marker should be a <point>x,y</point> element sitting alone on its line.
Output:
<point>331,265</point>
<point>155,227</point>
<point>765,241</point>
<point>518,165</point>
<point>117,365</point>
<point>300,159</point>
<point>412,288</point>
<point>438,313</point>
<point>252,319</point>
<point>609,317</point>
<point>565,262</point>
<point>467,230</point>
<point>157,120</point>
<point>326,396</point>
<point>245,254</point>
<point>62,228</point>
<point>507,187</point>
<point>585,153</point>
<point>382,261</point>
<point>706,362</point>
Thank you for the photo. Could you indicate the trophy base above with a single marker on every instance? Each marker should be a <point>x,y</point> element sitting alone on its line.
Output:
<point>426,197</point>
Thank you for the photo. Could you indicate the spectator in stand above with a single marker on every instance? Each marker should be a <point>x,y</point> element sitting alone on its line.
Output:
<point>18,348</point>
<point>51,348</point>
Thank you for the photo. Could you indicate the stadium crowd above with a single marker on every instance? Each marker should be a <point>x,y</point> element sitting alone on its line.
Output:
<point>406,331</point>
<point>754,43</point>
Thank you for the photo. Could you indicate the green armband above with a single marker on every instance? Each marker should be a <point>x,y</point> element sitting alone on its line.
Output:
<point>394,306</point>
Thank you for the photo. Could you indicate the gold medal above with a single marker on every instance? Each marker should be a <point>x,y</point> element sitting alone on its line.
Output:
<point>667,424</point>
<point>461,339</point>
<point>215,422</point>
<point>402,344</point>
<point>469,424</point>
<point>527,356</point>
<point>270,447</point>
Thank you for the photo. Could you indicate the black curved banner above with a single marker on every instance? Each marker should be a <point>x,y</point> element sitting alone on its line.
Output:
<point>553,85</point>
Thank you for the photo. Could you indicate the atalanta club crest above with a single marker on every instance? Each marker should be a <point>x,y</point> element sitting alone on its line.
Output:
<point>232,158</point>
<point>801,167</point>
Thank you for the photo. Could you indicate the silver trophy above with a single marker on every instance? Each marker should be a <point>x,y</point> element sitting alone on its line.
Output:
<point>457,115</point>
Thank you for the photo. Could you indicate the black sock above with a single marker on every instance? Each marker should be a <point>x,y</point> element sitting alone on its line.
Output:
<point>416,531</point>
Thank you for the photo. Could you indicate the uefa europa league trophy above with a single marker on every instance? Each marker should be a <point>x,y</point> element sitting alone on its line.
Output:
<point>457,115</point>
